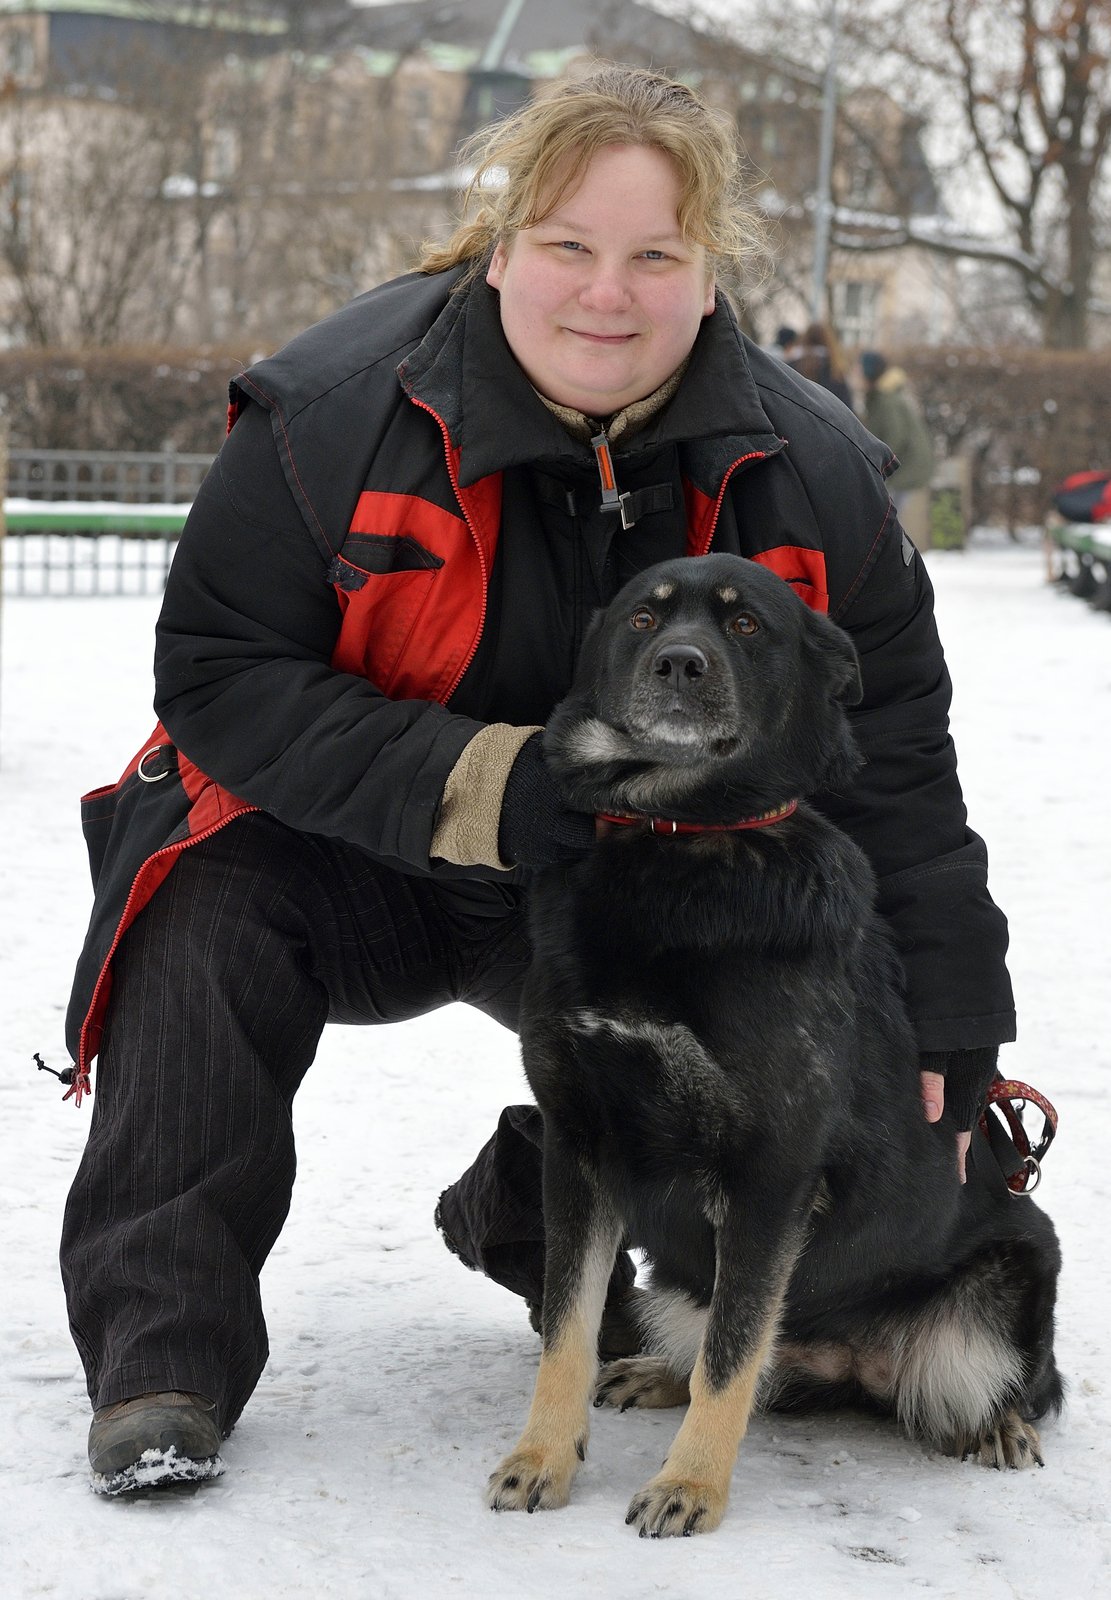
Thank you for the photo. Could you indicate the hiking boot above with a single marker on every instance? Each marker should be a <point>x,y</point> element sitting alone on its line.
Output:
<point>619,1334</point>
<point>153,1440</point>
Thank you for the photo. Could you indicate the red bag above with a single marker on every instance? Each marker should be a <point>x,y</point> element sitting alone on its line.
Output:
<point>1084,497</point>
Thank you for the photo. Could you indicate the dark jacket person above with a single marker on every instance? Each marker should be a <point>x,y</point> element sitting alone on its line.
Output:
<point>376,603</point>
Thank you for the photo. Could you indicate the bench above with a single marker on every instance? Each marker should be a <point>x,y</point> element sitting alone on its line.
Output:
<point>1078,556</point>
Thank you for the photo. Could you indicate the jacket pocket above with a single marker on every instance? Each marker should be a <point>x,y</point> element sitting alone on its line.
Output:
<point>365,555</point>
<point>98,811</point>
<point>813,596</point>
<point>380,612</point>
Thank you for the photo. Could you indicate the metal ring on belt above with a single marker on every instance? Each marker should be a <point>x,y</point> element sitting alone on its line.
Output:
<point>144,777</point>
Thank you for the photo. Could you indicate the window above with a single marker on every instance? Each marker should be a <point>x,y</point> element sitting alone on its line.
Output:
<point>223,154</point>
<point>770,143</point>
<point>864,186</point>
<point>854,305</point>
<point>17,52</point>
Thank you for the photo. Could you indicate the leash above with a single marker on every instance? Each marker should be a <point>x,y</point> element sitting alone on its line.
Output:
<point>667,826</point>
<point>1001,1122</point>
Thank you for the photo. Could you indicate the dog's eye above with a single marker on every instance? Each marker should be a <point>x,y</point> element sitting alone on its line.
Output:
<point>745,623</point>
<point>642,621</point>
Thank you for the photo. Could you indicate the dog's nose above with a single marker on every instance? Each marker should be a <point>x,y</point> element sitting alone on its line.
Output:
<point>680,664</point>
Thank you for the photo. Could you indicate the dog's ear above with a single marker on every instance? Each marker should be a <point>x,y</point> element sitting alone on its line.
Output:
<point>835,653</point>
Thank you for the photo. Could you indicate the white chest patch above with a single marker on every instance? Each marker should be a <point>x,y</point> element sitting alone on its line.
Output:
<point>673,1044</point>
<point>593,740</point>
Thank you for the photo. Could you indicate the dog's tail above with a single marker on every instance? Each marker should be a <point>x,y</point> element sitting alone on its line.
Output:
<point>981,1345</point>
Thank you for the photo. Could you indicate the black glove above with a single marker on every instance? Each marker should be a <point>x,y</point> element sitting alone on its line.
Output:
<point>536,828</point>
<point>968,1075</point>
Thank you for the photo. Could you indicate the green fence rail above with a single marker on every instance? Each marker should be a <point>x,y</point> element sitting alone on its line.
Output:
<point>71,517</point>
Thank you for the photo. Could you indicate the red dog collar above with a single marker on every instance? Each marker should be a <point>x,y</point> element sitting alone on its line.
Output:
<point>665,825</point>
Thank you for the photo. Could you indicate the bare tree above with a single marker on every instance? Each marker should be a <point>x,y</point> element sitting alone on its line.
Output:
<point>83,237</point>
<point>1020,92</point>
<point>200,183</point>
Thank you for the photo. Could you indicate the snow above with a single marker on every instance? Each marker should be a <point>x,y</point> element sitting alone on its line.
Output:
<point>397,1379</point>
<point>24,505</point>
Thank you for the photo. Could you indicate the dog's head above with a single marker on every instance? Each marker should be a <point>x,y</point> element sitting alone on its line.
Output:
<point>705,691</point>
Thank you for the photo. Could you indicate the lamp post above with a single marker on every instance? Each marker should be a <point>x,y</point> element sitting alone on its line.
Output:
<point>823,200</point>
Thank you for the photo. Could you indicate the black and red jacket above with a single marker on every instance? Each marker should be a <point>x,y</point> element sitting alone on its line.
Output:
<point>400,544</point>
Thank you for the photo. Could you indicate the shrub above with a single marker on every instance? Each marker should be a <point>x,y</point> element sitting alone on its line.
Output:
<point>1027,418</point>
<point>117,398</point>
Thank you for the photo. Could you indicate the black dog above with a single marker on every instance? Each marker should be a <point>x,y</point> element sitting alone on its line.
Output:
<point>713,1030</point>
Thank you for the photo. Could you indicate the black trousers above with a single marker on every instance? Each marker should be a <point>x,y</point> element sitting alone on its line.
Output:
<point>221,989</point>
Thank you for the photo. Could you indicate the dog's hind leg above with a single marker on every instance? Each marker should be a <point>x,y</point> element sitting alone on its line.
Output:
<point>642,1381</point>
<point>673,1325</point>
<point>1007,1441</point>
<point>583,1234</point>
<point>973,1365</point>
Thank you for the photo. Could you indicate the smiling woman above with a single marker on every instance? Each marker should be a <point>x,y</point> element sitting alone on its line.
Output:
<point>601,304</point>
<point>524,167</point>
<point>375,606</point>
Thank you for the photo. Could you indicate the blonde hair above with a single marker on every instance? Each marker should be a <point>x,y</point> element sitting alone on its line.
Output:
<point>524,165</point>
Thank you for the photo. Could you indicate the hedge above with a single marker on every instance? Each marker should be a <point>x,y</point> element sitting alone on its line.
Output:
<point>1026,417</point>
<point>118,399</point>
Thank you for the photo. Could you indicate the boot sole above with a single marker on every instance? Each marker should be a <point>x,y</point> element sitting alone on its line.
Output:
<point>157,1469</point>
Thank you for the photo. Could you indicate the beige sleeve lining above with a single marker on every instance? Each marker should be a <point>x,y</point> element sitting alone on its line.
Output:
<point>467,831</point>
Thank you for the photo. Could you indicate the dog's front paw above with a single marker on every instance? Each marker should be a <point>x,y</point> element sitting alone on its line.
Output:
<point>532,1480</point>
<point>643,1381</point>
<point>1009,1442</point>
<point>670,1506</point>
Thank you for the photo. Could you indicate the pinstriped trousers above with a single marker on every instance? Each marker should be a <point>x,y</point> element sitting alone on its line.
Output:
<point>221,989</point>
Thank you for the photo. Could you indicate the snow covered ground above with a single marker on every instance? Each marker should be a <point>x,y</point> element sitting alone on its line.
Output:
<point>398,1379</point>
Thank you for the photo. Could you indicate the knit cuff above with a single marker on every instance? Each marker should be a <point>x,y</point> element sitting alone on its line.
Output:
<point>536,828</point>
<point>466,832</point>
<point>968,1075</point>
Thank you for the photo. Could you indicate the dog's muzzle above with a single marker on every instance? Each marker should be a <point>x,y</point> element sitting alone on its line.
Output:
<point>680,666</point>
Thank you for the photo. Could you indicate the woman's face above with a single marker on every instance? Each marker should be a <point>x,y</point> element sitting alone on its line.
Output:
<point>602,300</point>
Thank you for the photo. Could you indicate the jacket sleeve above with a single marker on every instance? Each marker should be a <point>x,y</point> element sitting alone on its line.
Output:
<point>907,813</point>
<point>244,682</point>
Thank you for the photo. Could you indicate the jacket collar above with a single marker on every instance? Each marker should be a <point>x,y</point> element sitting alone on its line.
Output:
<point>464,370</point>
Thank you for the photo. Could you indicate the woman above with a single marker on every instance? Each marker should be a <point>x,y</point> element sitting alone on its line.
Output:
<point>376,602</point>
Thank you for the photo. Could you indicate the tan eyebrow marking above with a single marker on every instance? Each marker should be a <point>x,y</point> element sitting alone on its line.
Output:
<point>662,591</point>
<point>728,595</point>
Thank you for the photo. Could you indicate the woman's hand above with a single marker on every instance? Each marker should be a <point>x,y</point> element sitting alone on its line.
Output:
<point>933,1103</point>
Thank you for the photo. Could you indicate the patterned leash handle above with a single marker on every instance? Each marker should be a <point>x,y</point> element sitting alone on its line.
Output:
<point>1020,1160</point>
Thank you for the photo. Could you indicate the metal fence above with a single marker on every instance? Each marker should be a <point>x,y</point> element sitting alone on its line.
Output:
<point>94,522</point>
<point>134,479</point>
<point>61,565</point>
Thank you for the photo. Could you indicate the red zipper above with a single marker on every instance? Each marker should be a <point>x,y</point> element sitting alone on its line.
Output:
<point>472,530</point>
<point>753,455</point>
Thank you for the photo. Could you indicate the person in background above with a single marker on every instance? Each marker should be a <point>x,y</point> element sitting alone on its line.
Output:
<point>784,338</point>
<point>816,355</point>
<point>892,416</point>
<point>376,602</point>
